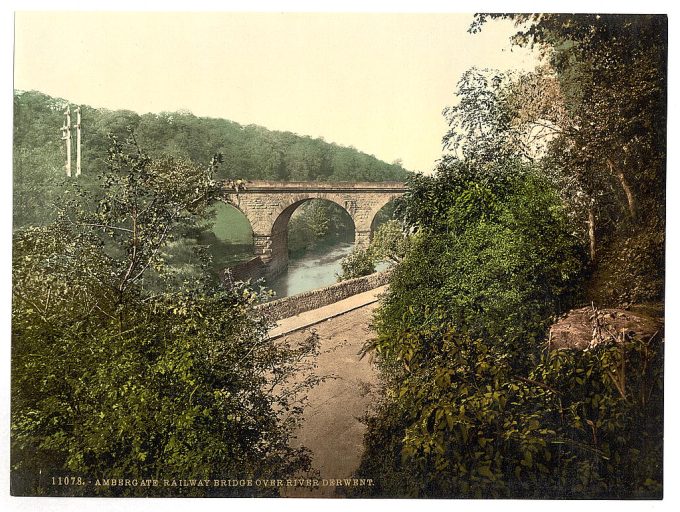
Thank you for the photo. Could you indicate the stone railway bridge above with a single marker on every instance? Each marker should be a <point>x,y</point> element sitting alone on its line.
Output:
<point>268,206</point>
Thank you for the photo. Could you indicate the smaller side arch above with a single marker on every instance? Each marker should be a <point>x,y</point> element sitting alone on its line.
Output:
<point>221,203</point>
<point>377,212</point>
<point>365,226</point>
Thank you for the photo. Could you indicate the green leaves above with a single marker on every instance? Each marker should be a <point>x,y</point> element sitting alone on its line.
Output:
<point>111,375</point>
<point>480,124</point>
<point>359,262</point>
<point>476,409</point>
<point>538,165</point>
<point>389,245</point>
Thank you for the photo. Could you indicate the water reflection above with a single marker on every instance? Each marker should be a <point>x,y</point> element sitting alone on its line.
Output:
<point>313,270</point>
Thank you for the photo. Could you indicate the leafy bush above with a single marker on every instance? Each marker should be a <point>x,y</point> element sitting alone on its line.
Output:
<point>465,313</point>
<point>462,422</point>
<point>119,370</point>
<point>358,263</point>
<point>474,405</point>
<point>389,242</point>
<point>499,259</point>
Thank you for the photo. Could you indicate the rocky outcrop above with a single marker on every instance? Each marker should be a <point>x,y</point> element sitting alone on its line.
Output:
<point>587,327</point>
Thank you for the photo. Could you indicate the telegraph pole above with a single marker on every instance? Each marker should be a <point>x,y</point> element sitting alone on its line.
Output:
<point>78,141</point>
<point>66,136</point>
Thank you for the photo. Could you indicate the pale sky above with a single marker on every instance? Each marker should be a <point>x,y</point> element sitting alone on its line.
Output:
<point>377,82</point>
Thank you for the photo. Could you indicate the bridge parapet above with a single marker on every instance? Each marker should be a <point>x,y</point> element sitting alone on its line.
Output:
<point>314,299</point>
<point>335,186</point>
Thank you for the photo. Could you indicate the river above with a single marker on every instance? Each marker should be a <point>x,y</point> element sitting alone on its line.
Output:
<point>229,241</point>
<point>314,269</point>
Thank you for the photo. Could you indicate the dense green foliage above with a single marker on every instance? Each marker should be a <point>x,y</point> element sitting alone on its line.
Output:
<point>534,209</point>
<point>500,258</point>
<point>389,242</point>
<point>250,152</point>
<point>464,422</point>
<point>125,367</point>
<point>358,263</point>
<point>601,104</point>
<point>475,405</point>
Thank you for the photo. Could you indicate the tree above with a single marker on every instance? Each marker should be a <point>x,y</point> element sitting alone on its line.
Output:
<point>389,242</point>
<point>506,116</point>
<point>118,372</point>
<point>463,318</point>
<point>611,71</point>
<point>38,158</point>
<point>480,124</point>
<point>476,404</point>
<point>357,263</point>
<point>500,250</point>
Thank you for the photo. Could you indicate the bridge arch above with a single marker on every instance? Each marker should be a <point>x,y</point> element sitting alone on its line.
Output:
<point>286,212</point>
<point>283,219</point>
<point>383,214</point>
<point>227,215</point>
<point>280,228</point>
<point>269,206</point>
<point>230,236</point>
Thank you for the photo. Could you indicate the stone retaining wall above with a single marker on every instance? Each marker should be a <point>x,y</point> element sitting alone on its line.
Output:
<point>313,299</point>
<point>252,269</point>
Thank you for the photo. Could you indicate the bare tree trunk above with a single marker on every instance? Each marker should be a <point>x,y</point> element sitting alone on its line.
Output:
<point>626,188</point>
<point>591,232</point>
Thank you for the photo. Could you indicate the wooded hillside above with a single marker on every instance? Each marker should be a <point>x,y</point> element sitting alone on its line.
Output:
<point>249,152</point>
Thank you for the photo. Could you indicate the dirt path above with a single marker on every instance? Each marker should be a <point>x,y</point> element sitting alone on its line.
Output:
<point>331,428</point>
